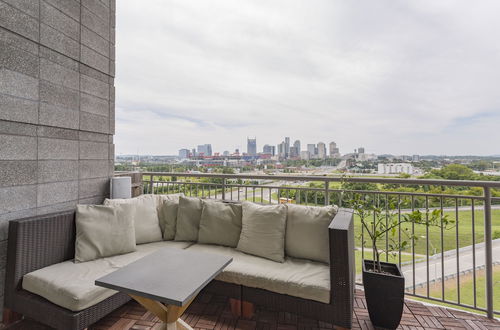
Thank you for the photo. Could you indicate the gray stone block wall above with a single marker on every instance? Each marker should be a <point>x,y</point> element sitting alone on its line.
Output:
<point>57,60</point>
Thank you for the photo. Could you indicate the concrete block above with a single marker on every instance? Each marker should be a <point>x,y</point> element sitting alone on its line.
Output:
<point>112,118</point>
<point>112,68</point>
<point>58,20</point>
<point>94,87</point>
<point>111,167</point>
<point>110,138</point>
<point>56,192</point>
<point>105,2</point>
<point>111,153</point>
<point>59,96</point>
<point>15,109</point>
<point>19,60</point>
<point>29,7</point>
<point>13,128</point>
<point>94,123</point>
<point>18,84</point>
<point>15,147</point>
<point>57,170</point>
<point>93,150</point>
<point>112,52</point>
<point>69,7</point>
<point>59,74</point>
<point>92,104</point>
<point>94,59</point>
<point>18,41</point>
<point>17,198</point>
<point>15,20</point>
<point>112,35</point>
<point>91,136</point>
<point>93,200</point>
<point>60,207</point>
<point>58,41</point>
<point>60,59</point>
<point>90,169</point>
<point>95,42</point>
<point>95,23</point>
<point>98,8</point>
<point>93,73</point>
<point>94,187</point>
<point>57,133</point>
<point>17,172</point>
<point>51,115</point>
<point>53,149</point>
<point>112,92</point>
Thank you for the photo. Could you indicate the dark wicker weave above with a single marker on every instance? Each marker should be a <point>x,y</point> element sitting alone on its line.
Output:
<point>38,242</point>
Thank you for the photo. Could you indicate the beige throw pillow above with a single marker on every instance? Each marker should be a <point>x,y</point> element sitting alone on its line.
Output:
<point>147,226</point>
<point>188,219</point>
<point>103,231</point>
<point>307,232</point>
<point>220,223</point>
<point>168,217</point>
<point>263,231</point>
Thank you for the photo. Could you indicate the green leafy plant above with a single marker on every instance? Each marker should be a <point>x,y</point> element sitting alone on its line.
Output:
<point>386,222</point>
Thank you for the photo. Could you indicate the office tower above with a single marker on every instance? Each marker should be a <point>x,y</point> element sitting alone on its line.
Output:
<point>305,155</point>
<point>184,153</point>
<point>252,147</point>
<point>296,145</point>
<point>225,153</point>
<point>321,150</point>
<point>287,147</point>
<point>205,149</point>
<point>281,150</point>
<point>269,150</point>
<point>361,150</point>
<point>311,148</point>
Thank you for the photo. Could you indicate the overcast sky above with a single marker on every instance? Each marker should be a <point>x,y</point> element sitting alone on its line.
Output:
<point>401,77</point>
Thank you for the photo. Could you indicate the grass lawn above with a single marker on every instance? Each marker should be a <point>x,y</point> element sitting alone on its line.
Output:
<point>394,259</point>
<point>449,242</point>
<point>466,290</point>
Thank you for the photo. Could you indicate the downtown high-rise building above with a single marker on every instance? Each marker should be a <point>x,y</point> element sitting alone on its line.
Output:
<point>252,147</point>
<point>334,150</point>
<point>321,150</point>
<point>184,153</point>
<point>311,148</point>
<point>205,149</point>
<point>269,150</point>
<point>287,147</point>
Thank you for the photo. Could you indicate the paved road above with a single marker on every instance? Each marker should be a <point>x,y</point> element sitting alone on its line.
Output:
<point>465,256</point>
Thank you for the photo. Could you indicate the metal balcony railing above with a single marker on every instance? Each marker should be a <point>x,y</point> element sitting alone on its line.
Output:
<point>454,266</point>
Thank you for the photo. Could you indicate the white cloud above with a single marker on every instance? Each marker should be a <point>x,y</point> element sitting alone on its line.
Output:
<point>394,77</point>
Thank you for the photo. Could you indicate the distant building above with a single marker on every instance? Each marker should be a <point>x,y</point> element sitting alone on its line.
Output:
<point>321,150</point>
<point>252,147</point>
<point>395,168</point>
<point>281,150</point>
<point>184,153</point>
<point>225,153</point>
<point>269,150</point>
<point>205,149</point>
<point>361,150</point>
<point>311,148</point>
<point>305,155</point>
<point>287,147</point>
<point>415,158</point>
<point>334,151</point>
<point>296,145</point>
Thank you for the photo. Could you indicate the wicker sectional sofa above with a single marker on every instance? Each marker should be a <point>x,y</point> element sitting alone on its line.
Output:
<point>43,282</point>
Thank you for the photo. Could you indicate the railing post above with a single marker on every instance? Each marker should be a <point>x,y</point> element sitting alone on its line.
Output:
<point>489,251</point>
<point>151,182</point>
<point>327,192</point>
<point>223,188</point>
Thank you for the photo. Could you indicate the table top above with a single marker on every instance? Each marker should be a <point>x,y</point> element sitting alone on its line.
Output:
<point>171,276</point>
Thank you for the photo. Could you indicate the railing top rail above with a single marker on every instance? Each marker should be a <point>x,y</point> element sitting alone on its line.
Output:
<point>324,178</point>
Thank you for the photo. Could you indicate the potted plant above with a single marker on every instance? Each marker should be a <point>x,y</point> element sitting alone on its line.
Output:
<point>383,282</point>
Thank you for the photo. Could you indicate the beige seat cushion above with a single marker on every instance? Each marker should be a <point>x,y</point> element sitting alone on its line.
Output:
<point>168,217</point>
<point>103,231</point>
<point>220,223</point>
<point>263,231</point>
<point>307,232</point>
<point>188,219</point>
<point>295,277</point>
<point>71,285</point>
<point>147,224</point>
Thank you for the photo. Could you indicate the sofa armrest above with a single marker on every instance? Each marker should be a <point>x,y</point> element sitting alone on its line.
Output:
<point>342,267</point>
<point>35,243</point>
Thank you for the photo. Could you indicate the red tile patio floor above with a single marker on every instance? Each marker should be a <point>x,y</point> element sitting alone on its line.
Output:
<point>212,312</point>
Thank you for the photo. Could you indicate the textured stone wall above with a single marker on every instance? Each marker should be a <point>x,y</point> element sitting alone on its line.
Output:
<point>57,67</point>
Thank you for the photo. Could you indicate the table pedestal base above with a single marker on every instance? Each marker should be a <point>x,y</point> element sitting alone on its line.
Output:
<point>170,315</point>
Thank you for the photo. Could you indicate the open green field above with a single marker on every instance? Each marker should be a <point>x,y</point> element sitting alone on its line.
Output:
<point>449,241</point>
<point>394,259</point>
<point>466,290</point>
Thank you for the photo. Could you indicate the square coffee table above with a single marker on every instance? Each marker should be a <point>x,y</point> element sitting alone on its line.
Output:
<point>167,281</point>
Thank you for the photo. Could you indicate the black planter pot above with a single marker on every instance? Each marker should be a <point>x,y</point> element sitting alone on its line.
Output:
<point>384,294</point>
